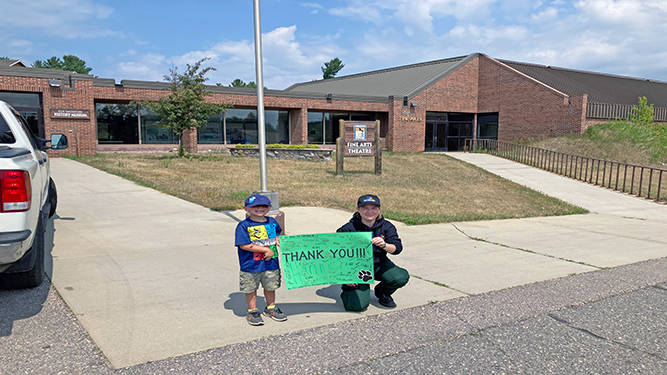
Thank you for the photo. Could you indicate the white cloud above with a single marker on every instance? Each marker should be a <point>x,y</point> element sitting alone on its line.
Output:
<point>581,34</point>
<point>147,67</point>
<point>286,61</point>
<point>549,14</point>
<point>638,13</point>
<point>482,36</point>
<point>63,18</point>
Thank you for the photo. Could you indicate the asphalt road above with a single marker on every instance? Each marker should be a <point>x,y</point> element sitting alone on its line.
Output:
<point>601,322</point>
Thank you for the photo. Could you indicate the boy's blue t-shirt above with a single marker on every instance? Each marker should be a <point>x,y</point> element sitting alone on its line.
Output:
<point>263,234</point>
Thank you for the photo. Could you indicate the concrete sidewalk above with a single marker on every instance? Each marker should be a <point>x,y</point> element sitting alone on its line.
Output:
<point>151,276</point>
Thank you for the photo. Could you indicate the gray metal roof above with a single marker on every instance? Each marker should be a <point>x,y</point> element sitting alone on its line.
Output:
<point>601,88</point>
<point>401,81</point>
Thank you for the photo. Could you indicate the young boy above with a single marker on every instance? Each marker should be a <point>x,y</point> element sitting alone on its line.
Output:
<point>256,239</point>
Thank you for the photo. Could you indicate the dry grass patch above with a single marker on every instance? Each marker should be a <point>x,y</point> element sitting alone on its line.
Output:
<point>414,188</point>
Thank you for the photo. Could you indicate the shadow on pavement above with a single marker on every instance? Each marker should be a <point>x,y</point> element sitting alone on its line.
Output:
<point>237,303</point>
<point>21,304</point>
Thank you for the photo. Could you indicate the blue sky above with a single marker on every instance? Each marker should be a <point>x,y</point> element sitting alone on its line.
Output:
<point>142,39</point>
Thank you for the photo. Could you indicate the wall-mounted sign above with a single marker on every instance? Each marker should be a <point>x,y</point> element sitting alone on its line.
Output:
<point>410,118</point>
<point>73,114</point>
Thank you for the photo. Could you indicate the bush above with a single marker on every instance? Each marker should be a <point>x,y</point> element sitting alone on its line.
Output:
<point>279,145</point>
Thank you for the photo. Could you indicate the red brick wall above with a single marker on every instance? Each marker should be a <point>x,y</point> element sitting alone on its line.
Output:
<point>526,107</point>
<point>298,120</point>
<point>81,134</point>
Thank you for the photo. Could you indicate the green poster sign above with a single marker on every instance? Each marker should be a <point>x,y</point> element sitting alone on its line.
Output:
<point>330,258</point>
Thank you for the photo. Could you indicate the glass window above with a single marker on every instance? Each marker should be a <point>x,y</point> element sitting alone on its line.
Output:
<point>21,99</point>
<point>315,127</point>
<point>241,126</point>
<point>6,135</point>
<point>487,125</point>
<point>29,106</point>
<point>324,128</point>
<point>436,116</point>
<point>277,126</point>
<point>154,134</point>
<point>361,117</point>
<point>488,130</point>
<point>117,123</point>
<point>211,132</point>
<point>332,127</point>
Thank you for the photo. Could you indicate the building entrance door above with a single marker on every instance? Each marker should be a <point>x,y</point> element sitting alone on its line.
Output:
<point>447,131</point>
<point>436,136</point>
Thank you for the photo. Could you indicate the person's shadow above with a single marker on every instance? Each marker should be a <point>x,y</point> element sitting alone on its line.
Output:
<point>237,303</point>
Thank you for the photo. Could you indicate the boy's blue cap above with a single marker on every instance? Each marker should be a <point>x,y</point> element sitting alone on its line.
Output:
<point>368,199</point>
<point>257,200</point>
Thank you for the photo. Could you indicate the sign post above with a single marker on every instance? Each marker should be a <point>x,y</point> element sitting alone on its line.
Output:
<point>359,138</point>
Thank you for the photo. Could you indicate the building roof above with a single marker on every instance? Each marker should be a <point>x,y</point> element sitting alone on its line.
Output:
<point>409,80</point>
<point>600,87</point>
<point>401,81</point>
<point>13,63</point>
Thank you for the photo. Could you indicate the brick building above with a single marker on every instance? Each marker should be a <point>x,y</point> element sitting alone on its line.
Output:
<point>429,106</point>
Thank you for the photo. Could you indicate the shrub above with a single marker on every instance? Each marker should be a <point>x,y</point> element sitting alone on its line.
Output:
<point>278,145</point>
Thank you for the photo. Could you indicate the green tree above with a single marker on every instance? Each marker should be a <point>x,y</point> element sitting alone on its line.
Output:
<point>185,107</point>
<point>69,63</point>
<point>239,83</point>
<point>331,68</point>
<point>642,114</point>
<point>4,58</point>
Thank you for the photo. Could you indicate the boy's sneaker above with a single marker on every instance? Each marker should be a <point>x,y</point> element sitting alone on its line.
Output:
<point>255,318</point>
<point>275,314</point>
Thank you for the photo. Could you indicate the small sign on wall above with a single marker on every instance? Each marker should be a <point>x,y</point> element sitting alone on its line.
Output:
<point>73,114</point>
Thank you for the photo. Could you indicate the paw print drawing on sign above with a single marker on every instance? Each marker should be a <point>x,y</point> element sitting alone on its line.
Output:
<point>364,275</point>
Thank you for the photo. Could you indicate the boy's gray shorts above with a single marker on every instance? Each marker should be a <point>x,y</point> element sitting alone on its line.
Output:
<point>249,282</point>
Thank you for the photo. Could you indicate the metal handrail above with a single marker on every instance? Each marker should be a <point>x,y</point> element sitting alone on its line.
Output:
<point>636,180</point>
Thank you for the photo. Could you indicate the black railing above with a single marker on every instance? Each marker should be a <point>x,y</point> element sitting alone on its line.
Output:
<point>636,180</point>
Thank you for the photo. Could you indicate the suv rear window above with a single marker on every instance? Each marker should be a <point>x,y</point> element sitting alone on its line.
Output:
<point>6,135</point>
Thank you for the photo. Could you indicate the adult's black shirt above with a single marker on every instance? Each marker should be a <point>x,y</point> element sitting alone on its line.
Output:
<point>381,228</point>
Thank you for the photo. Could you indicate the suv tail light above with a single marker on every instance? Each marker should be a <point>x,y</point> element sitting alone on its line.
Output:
<point>16,191</point>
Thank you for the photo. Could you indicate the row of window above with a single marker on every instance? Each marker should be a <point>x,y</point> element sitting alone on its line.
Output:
<point>130,124</point>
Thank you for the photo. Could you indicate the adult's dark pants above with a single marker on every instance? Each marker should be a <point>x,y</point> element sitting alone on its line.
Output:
<point>390,276</point>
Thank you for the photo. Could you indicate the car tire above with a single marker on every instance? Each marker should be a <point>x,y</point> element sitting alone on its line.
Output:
<point>53,197</point>
<point>33,277</point>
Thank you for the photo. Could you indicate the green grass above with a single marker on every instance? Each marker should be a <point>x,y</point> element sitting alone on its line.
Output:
<point>619,141</point>
<point>414,188</point>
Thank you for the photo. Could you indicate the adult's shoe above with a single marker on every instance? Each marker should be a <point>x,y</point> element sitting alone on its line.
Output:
<point>386,301</point>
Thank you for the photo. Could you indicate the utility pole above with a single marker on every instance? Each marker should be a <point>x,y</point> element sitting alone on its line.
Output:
<point>261,127</point>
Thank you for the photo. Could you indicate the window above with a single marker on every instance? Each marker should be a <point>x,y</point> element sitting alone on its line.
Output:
<point>153,134</point>
<point>6,135</point>
<point>487,125</point>
<point>117,123</point>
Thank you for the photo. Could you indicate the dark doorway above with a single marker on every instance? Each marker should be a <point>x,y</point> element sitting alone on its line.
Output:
<point>447,131</point>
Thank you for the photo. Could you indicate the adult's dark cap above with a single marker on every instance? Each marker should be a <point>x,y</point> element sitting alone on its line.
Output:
<point>257,200</point>
<point>368,199</point>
